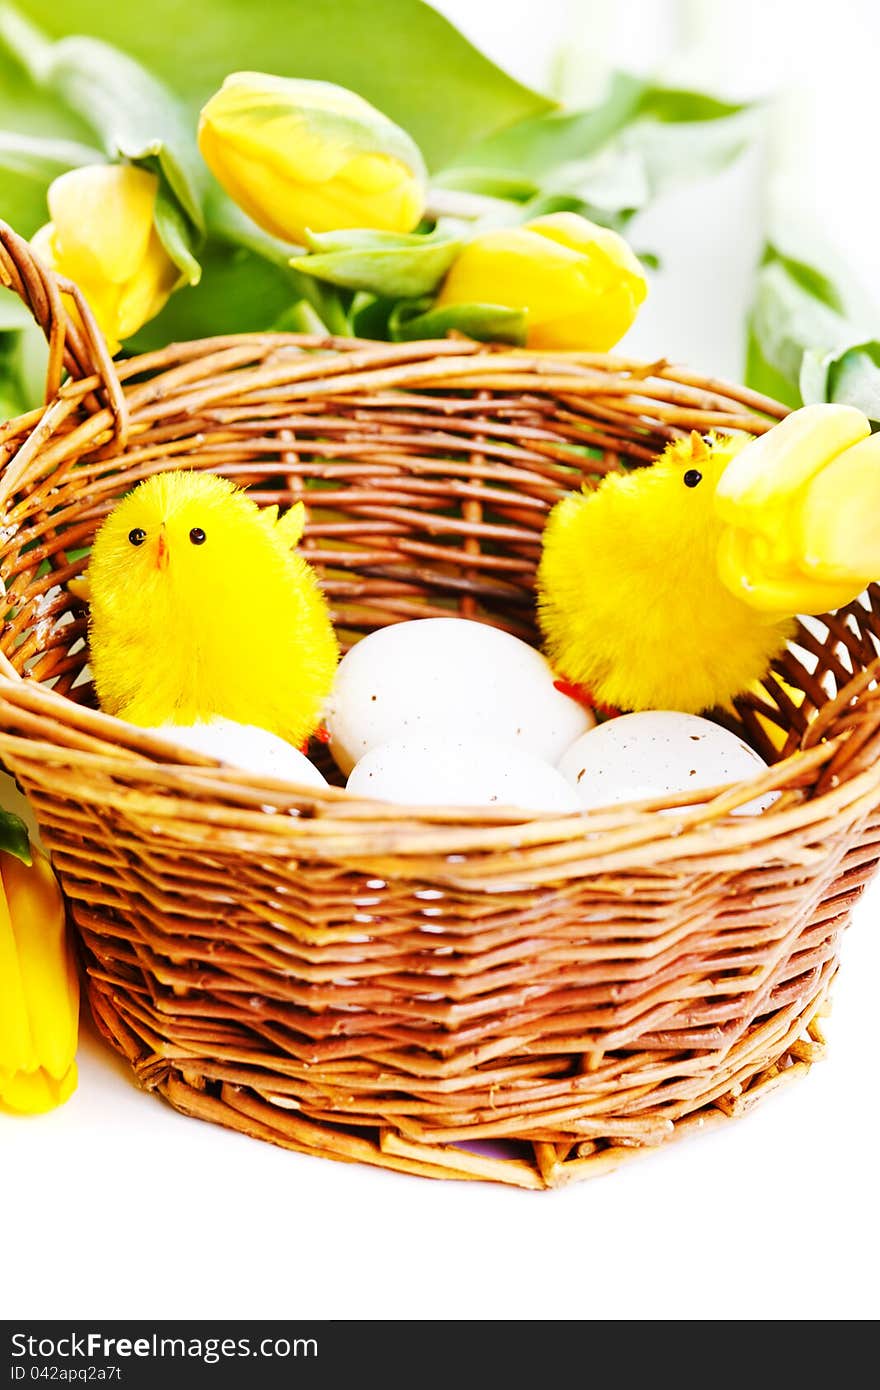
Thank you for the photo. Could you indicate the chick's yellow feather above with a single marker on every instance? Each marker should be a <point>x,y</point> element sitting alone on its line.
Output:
<point>630,603</point>
<point>199,607</point>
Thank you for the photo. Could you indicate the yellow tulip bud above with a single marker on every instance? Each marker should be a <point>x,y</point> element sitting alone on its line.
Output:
<point>39,989</point>
<point>579,284</point>
<point>800,505</point>
<point>300,156</point>
<point>102,236</point>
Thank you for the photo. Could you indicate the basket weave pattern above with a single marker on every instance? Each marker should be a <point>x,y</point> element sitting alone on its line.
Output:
<point>459,994</point>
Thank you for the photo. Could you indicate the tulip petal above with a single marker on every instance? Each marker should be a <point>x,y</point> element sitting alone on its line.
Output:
<point>103,216</point>
<point>598,327</point>
<point>800,506</point>
<point>148,292</point>
<point>611,258</point>
<point>44,247</point>
<point>284,144</point>
<point>280,112</point>
<point>103,299</point>
<point>50,984</point>
<point>575,294</point>
<point>517,268</point>
<point>298,156</point>
<point>107,243</point>
<point>255,187</point>
<point>743,569</point>
<point>839,527</point>
<point>17,1051</point>
<point>778,463</point>
<point>35,1092</point>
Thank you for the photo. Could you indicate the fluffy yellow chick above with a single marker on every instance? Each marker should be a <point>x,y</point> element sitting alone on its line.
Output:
<point>200,608</point>
<point>675,586</point>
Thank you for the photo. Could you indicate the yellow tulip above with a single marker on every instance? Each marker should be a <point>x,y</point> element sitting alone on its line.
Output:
<point>39,989</point>
<point>580,284</point>
<point>800,505</point>
<point>300,156</point>
<point>102,236</point>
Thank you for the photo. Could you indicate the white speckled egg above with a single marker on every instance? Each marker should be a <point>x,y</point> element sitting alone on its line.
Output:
<point>656,753</point>
<point>454,673</point>
<point>431,769</point>
<point>253,750</point>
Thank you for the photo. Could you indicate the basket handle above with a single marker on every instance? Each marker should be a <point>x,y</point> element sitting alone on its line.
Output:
<point>77,348</point>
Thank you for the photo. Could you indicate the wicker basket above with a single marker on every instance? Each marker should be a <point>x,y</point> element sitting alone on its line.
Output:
<point>476,995</point>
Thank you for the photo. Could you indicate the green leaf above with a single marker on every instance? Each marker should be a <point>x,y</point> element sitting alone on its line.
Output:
<point>229,226</point>
<point>28,164</point>
<point>134,114</point>
<point>396,266</point>
<point>615,181</point>
<point>539,145</point>
<point>30,110</point>
<point>401,55</point>
<point>638,142</point>
<point>854,378</point>
<point>490,323</point>
<point>24,357</point>
<point>11,403</point>
<point>416,319</point>
<point>548,202</point>
<point>370,316</point>
<point>535,146</point>
<point>489,182</point>
<point>851,377</point>
<point>239,292</point>
<point>299,318</point>
<point>676,105</point>
<point>12,400</point>
<point>494,213</point>
<point>652,157</point>
<point>14,838</point>
<point>29,361</point>
<point>41,158</point>
<point>177,234</point>
<point>761,376</point>
<point>226,221</point>
<point>814,282</point>
<point>803,346</point>
<point>787,320</point>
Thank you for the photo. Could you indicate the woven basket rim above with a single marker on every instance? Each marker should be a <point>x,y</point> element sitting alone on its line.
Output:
<point>90,740</point>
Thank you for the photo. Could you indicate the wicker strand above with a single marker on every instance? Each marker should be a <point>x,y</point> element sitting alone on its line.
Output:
<point>76,344</point>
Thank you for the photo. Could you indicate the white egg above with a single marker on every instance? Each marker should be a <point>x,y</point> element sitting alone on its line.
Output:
<point>252,749</point>
<point>656,753</point>
<point>454,673</point>
<point>432,769</point>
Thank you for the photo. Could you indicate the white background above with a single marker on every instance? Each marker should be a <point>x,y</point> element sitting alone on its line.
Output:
<point>116,1206</point>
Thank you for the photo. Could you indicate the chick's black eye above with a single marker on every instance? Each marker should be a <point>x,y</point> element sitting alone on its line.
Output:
<point>692,477</point>
<point>197,536</point>
<point>137,536</point>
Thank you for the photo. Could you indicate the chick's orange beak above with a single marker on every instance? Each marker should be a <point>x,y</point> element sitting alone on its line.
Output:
<point>162,550</point>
